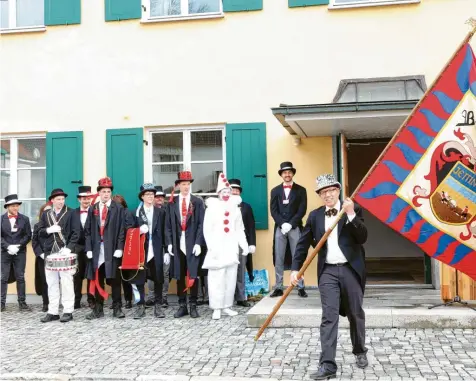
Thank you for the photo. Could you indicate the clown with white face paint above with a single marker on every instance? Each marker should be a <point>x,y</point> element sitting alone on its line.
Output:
<point>224,233</point>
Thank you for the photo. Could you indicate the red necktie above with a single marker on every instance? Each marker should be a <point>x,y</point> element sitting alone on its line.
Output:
<point>103,219</point>
<point>287,186</point>
<point>12,216</point>
<point>184,214</point>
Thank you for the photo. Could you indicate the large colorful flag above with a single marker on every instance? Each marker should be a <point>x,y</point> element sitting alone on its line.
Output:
<point>424,185</point>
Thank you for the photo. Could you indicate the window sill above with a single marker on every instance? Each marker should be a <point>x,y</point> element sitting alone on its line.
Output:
<point>183,18</point>
<point>364,4</point>
<point>32,29</point>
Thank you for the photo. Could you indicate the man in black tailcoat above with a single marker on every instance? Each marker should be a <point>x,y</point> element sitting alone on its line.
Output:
<point>246,262</point>
<point>16,234</point>
<point>80,214</point>
<point>105,234</point>
<point>340,270</point>
<point>288,206</point>
<point>184,235</point>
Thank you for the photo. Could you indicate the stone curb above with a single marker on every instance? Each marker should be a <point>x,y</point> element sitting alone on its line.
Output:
<point>413,318</point>
<point>119,377</point>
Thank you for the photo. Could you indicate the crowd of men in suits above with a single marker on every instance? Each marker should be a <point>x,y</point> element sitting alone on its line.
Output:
<point>175,248</point>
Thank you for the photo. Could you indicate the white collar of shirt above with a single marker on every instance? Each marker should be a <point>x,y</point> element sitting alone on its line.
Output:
<point>108,204</point>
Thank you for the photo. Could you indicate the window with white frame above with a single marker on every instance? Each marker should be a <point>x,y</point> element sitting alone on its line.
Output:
<point>167,9</point>
<point>368,3</point>
<point>198,150</point>
<point>23,172</point>
<point>22,13</point>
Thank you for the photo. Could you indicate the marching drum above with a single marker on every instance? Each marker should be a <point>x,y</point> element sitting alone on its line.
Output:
<point>61,262</point>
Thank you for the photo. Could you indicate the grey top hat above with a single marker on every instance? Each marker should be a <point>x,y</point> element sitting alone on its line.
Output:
<point>326,181</point>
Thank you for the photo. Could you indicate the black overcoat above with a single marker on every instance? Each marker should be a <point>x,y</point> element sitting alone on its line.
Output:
<point>352,236</point>
<point>250,232</point>
<point>69,230</point>
<point>297,210</point>
<point>193,234</point>
<point>114,235</point>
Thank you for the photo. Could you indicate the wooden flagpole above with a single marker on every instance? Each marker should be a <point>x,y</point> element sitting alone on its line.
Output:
<point>321,242</point>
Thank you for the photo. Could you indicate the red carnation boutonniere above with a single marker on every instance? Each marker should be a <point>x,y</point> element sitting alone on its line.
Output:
<point>96,211</point>
<point>190,209</point>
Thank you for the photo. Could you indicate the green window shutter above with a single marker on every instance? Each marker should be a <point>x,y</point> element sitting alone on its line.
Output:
<point>117,10</point>
<point>242,5</point>
<point>125,162</point>
<point>246,160</point>
<point>64,163</point>
<point>306,3</point>
<point>62,12</point>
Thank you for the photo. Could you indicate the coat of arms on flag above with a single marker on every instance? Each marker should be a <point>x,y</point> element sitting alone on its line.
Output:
<point>424,185</point>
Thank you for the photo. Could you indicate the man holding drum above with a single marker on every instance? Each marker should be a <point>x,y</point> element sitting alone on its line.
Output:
<point>60,232</point>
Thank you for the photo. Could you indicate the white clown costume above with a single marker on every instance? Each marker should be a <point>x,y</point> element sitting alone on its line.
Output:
<point>224,233</point>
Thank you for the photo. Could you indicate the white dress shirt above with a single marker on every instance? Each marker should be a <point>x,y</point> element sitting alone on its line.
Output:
<point>334,253</point>
<point>83,216</point>
<point>149,212</point>
<point>12,224</point>
<point>183,246</point>
<point>287,190</point>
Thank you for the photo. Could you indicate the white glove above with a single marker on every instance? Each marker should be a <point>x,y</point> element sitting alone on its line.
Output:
<point>244,253</point>
<point>252,249</point>
<point>144,229</point>
<point>286,228</point>
<point>53,229</point>
<point>166,259</point>
<point>42,256</point>
<point>118,254</point>
<point>197,250</point>
<point>169,249</point>
<point>89,254</point>
<point>13,249</point>
<point>65,250</point>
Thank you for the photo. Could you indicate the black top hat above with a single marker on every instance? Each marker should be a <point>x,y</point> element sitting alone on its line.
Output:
<point>57,192</point>
<point>184,176</point>
<point>11,199</point>
<point>235,183</point>
<point>159,191</point>
<point>84,191</point>
<point>147,187</point>
<point>285,166</point>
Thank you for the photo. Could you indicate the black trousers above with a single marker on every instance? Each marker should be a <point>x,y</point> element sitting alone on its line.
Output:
<point>19,264</point>
<point>127,287</point>
<point>336,283</point>
<point>115,284</point>
<point>78,280</point>
<point>40,263</point>
<point>182,295</point>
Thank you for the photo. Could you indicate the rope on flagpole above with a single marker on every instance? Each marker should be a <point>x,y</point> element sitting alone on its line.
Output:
<point>321,242</point>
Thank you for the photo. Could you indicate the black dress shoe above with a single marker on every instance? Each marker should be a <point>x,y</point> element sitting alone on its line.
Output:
<point>361,360</point>
<point>140,311</point>
<point>149,303</point>
<point>182,311</point>
<point>243,303</point>
<point>3,308</point>
<point>193,311</point>
<point>45,308</point>
<point>77,305</point>
<point>277,292</point>
<point>66,318</point>
<point>302,293</point>
<point>23,306</point>
<point>165,304</point>
<point>117,313</point>
<point>91,303</point>
<point>128,305</point>
<point>323,374</point>
<point>158,313</point>
<point>96,313</point>
<point>48,317</point>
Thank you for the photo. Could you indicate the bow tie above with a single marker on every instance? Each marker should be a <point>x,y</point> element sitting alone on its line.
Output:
<point>82,211</point>
<point>287,186</point>
<point>331,212</point>
<point>12,216</point>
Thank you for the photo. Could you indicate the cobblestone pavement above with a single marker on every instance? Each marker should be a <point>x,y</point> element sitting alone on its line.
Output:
<point>127,348</point>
